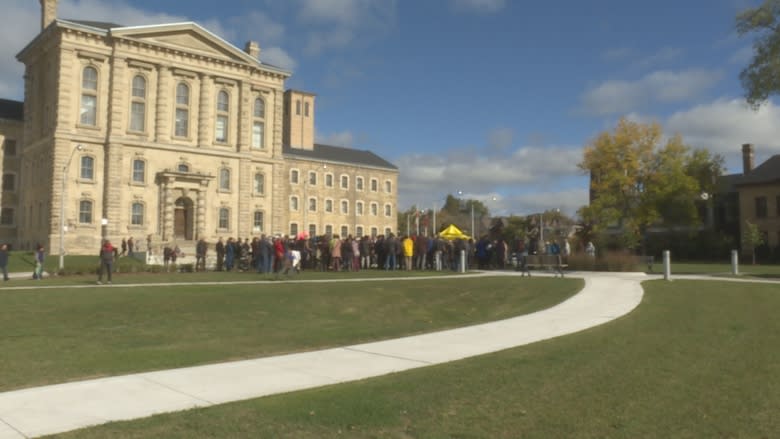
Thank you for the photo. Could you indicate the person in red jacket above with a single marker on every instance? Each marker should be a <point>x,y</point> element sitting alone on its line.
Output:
<point>106,261</point>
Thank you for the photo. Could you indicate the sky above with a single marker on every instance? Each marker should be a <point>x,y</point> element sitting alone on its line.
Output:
<point>492,100</point>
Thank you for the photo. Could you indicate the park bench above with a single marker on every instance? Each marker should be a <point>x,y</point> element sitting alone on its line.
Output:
<point>553,263</point>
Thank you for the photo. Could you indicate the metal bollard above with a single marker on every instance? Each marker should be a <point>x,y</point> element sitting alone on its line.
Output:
<point>462,261</point>
<point>734,262</point>
<point>437,261</point>
<point>667,265</point>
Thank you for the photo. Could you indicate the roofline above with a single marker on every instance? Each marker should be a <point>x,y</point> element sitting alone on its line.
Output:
<point>337,162</point>
<point>307,93</point>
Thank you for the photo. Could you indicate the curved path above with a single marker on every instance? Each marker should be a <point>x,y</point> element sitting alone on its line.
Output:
<point>57,408</point>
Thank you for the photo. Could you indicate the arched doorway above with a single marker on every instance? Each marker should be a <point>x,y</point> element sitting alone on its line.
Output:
<point>183,224</point>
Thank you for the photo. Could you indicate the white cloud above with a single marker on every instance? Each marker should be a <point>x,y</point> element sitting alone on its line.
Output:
<point>662,56</point>
<point>276,56</point>
<point>344,138</point>
<point>483,6</point>
<point>617,53</point>
<point>623,96</point>
<point>336,24</point>
<point>722,126</point>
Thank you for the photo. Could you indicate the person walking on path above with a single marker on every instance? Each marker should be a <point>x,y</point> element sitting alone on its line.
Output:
<point>40,256</point>
<point>106,261</point>
<point>4,260</point>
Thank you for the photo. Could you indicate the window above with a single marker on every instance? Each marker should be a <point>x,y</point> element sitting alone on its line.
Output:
<point>9,147</point>
<point>89,88</point>
<point>294,176</point>
<point>344,182</point>
<point>87,168</point>
<point>298,107</point>
<point>137,214</point>
<point>182,128</point>
<point>388,231</point>
<point>183,167</point>
<point>224,179</point>
<point>761,208</point>
<point>7,216</point>
<point>312,178</point>
<point>294,203</point>
<point>344,231</point>
<point>9,182</point>
<point>221,126</point>
<point>329,180</point>
<point>329,229</point>
<point>388,186</point>
<point>374,232</point>
<point>257,224</point>
<point>312,204</point>
<point>293,229</point>
<point>329,206</point>
<point>306,109</point>
<point>138,104</point>
<point>139,171</point>
<point>388,210</point>
<point>224,218</point>
<point>259,184</point>
<point>85,212</point>
<point>312,230</point>
<point>374,209</point>
<point>344,207</point>
<point>359,231</point>
<point>258,125</point>
<point>359,208</point>
<point>359,183</point>
<point>374,185</point>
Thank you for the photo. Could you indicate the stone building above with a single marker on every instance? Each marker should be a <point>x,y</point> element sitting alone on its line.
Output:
<point>758,190</point>
<point>168,132</point>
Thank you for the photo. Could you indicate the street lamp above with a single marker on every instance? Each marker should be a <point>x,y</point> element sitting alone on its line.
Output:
<point>63,201</point>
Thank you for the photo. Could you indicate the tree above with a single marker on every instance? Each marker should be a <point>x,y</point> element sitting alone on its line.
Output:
<point>638,181</point>
<point>752,237</point>
<point>761,78</point>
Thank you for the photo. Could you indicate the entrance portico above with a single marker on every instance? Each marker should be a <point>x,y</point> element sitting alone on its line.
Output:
<point>183,205</point>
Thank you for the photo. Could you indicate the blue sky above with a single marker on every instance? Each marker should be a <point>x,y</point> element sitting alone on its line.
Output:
<point>494,98</point>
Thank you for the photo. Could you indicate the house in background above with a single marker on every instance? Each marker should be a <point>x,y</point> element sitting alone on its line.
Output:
<point>758,190</point>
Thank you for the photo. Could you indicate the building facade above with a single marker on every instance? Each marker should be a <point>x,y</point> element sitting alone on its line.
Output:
<point>169,133</point>
<point>759,199</point>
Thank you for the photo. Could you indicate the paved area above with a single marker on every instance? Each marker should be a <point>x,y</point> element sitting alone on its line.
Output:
<point>58,408</point>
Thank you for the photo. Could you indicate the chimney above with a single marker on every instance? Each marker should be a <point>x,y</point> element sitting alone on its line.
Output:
<point>48,13</point>
<point>748,158</point>
<point>253,49</point>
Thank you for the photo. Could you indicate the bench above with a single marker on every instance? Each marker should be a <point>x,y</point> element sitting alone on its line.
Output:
<point>554,263</point>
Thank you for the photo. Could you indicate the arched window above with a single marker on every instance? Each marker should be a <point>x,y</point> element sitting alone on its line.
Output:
<point>388,186</point>
<point>312,204</point>
<point>182,110</point>
<point>359,208</point>
<point>329,180</point>
<point>344,182</point>
<point>224,218</point>
<point>359,183</point>
<point>137,214</point>
<point>374,209</point>
<point>87,171</point>
<point>258,125</point>
<point>329,206</point>
<point>85,212</point>
<point>221,127</point>
<point>89,89</point>
<point>259,184</point>
<point>344,207</point>
<point>138,104</point>
<point>294,176</point>
<point>374,185</point>
<point>224,179</point>
<point>139,171</point>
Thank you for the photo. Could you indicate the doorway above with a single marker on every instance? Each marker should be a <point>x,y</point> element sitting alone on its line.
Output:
<point>183,224</point>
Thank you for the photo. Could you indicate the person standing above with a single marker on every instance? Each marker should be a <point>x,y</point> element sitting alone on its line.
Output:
<point>220,247</point>
<point>200,255</point>
<point>124,247</point>
<point>408,249</point>
<point>40,256</point>
<point>130,245</point>
<point>4,260</point>
<point>106,261</point>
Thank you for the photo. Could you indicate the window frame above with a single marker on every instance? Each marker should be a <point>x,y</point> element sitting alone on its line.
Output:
<point>261,190</point>
<point>89,93</point>
<point>223,218</point>
<point>138,100</point>
<point>10,178</point>
<point>222,116</point>
<point>90,168</point>
<point>90,212</point>
<point>135,172</point>
<point>137,218</point>
<point>761,206</point>
<point>7,216</point>
<point>255,227</point>
<point>181,125</point>
<point>224,179</point>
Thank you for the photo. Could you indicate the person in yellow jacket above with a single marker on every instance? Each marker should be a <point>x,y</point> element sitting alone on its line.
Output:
<point>408,244</point>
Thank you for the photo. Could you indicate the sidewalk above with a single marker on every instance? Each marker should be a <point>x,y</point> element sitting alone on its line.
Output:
<point>58,408</point>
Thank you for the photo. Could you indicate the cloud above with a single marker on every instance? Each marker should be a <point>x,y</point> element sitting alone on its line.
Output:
<point>277,56</point>
<point>742,56</point>
<point>623,96</point>
<point>344,138</point>
<point>617,54</point>
<point>723,125</point>
<point>481,6</point>
<point>663,56</point>
<point>335,24</point>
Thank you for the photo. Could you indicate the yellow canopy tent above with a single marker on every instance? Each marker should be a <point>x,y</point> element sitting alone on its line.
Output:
<point>452,232</point>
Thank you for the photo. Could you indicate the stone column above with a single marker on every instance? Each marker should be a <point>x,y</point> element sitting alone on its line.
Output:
<point>200,221</point>
<point>167,213</point>
<point>165,105</point>
<point>117,107</point>
<point>206,110</point>
<point>245,111</point>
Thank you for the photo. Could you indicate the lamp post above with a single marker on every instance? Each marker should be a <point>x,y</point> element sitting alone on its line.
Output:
<point>63,201</point>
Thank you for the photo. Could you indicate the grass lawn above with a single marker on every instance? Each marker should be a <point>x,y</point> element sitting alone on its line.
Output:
<point>758,270</point>
<point>697,359</point>
<point>60,334</point>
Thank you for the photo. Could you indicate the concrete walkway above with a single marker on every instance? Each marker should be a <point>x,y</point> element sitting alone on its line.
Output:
<point>58,408</point>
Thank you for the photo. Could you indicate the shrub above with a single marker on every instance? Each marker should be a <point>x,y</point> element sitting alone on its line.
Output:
<point>607,261</point>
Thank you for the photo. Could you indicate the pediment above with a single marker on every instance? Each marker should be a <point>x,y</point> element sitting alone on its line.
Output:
<point>186,37</point>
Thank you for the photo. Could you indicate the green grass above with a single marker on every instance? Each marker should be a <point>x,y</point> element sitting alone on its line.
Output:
<point>758,270</point>
<point>697,359</point>
<point>61,334</point>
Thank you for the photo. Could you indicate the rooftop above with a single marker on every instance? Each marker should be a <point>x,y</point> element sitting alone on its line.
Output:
<point>339,154</point>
